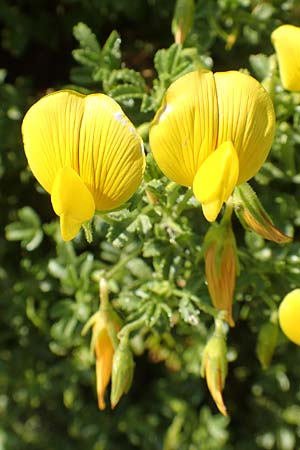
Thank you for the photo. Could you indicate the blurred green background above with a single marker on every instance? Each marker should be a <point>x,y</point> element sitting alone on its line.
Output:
<point>49,288</point>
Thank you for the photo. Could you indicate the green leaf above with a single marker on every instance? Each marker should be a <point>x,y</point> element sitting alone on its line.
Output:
<point>111,53</point>
<point>125,92</point>
<point>27,229</point>
<point>86,38</point>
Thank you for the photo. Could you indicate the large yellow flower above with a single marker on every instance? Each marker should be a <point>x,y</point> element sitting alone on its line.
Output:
<point>286,40</point>
<point>213,132</point>
<point>85,152</point>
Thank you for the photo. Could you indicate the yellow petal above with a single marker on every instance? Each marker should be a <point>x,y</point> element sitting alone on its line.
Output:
<point>214,384</point>
<point>246,118</point>
<point>286,40</point>
<point>212,209</point>
<point>104,356</point>
<point>184,130</point>
<point>72,201</point>
<point>51,131</point>
<point>111,155</point>
<point>216,179</point>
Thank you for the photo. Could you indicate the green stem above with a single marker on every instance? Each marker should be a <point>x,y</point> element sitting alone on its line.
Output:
<point>103,294</point>
<point>218,29</point>
<point>228,211</point>
<point>124,333</point>
<point>210,310</point>
<point>88,232</point>
<point>181,206</point>
<point>123,262</point>
<point>219,323</point>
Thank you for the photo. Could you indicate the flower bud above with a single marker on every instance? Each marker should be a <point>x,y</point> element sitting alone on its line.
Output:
<point>182,20</point>
<point>266,343</point>
<point>122,372</point>
<point>103,340</point>
<point>105,325</point>
<point>214,368</point>
<point>221,266</point>
<point>253,216</point>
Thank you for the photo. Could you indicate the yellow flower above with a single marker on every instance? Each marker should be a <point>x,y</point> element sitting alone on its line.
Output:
<point>213,132</point>
<point>85,152</point>
<point>289,316</point>
<point>286,42</point>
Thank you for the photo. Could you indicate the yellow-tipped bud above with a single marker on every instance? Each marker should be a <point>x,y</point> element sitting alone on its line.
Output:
<point>182,20</point>
<point>214,368</point>
<point>122,372</point>
<point>103,339</point>
<point>254,217</point>
<point>105,325</point>
<point>221,267</point>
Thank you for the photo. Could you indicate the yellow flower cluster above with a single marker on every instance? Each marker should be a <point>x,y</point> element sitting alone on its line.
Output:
<point>213,132</point>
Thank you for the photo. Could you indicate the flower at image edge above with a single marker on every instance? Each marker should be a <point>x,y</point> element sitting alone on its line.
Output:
<point>85,152</point>
<point>213,132</point>
<point>289,316</point>
<point>286,40</point>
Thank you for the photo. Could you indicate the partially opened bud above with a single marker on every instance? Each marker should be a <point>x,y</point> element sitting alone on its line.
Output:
<point>104,335</point>
<point>221,266</point>
<point>254,217</point>
<point>106,324</point>
<point>182,20</point>
<point>122,372</point>
<point>214,368</point>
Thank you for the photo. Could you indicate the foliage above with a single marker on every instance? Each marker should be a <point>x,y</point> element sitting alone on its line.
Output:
<point>151,251</point>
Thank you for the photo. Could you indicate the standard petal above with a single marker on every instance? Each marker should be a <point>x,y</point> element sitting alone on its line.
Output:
<point>72,201</point>
<point>286,40</point>
<point>247,118</point>
<point>111,155</point>
<point>184,130</point>
<point>216,179</point>
<point>51,130</point>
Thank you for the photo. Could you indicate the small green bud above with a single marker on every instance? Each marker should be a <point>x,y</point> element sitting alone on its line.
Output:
<point>122,372</point>
<point>266,343</point>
